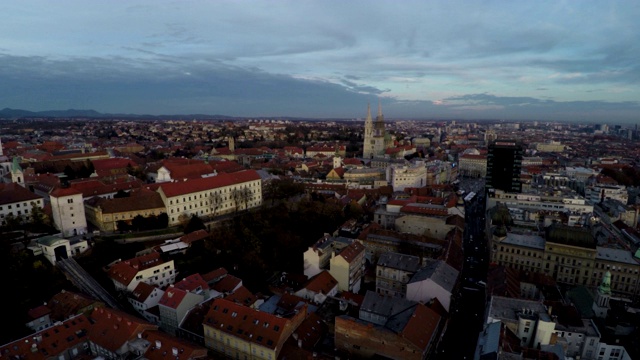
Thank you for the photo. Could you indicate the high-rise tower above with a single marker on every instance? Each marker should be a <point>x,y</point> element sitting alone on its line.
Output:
<point>504,162</point>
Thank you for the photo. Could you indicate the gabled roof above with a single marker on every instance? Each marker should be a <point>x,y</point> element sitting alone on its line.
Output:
<point>142,291</point>
<point>191,283</point>
<point>49,343</point>
<point>38,312</point>
<point>251,325</point>
<point>172,297</point>
<point>171,348</point>
<point>124,271</point>
<point>12,193</point>
<point>351,252</point>
<point>227,284</point>
<point>242,296</point>
<point>111,328</point>
<point>66,303</point>
<point>439,272</point>
<point>202,184</point>
<point>194,236</point>
<point>321,283</point>
<point>215,275</point>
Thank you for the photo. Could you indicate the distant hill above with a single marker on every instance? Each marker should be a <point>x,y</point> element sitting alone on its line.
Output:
<point>8,113</point>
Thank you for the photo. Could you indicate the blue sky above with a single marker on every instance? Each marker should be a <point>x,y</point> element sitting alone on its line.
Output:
<point>539,60</point>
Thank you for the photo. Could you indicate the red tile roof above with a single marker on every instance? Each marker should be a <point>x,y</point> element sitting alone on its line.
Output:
<point>12,193</point>
<point>351,252</point>
<point>202,184</point>
<point>49,343</point>
<point>66,303</point>
<point>112,328</point>
<point>60,192</point>
<point>214,275</point>
<point>321,283</point>
<point>172,297</point>
<point>124,271</point>
<point>194,236</point>
<point>227,284</point>
<point>38,312</point>
<point>251,325</point>
<point>422,326</point>
<point>142,291</point>
<point>242,296</point>
<point>191,283</point>
<point>171,348</point>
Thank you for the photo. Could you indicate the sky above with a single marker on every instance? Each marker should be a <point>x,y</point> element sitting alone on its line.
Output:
<point>513,60</point>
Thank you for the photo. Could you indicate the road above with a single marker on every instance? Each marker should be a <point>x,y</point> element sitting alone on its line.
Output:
<point>86,283</point>
<point>467,310</point>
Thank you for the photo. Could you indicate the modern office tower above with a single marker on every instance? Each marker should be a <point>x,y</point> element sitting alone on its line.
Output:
<point>504,161</point>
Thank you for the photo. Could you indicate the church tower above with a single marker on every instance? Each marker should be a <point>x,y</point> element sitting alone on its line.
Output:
<point>17,176</point>
<point>601,301</point>
<point>367,151</point>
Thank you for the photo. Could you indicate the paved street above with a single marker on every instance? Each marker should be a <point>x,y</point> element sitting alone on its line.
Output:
<point>467,313</point>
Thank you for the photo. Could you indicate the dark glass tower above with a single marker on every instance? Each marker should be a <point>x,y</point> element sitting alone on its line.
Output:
<point>504,161</point>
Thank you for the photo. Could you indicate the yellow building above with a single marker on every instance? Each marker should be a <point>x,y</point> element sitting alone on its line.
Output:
<point>240,332</point>
<point>105,213</point>
<point>348,267</point>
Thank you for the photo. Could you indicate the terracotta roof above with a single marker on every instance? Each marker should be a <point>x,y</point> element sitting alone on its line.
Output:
<point>124,271</point>
<point>171,348</point>
<point>66,303</point>
<point>112,328</point>
<point>38,312</point>
<point>246,323</point>
<point>191,283</point>
<point>194,236</point>
<point>60,192</point>
<point>137,201</point>
<point>172,297</point>
<point>227,284</point>
<point>352,251</point>
<point>142,291</point>
<point>188,171</point>
<point>196,185</point>
<point>49,343</point>
<point>91,188</point>
<point>321,283</point>
<point>12,193</point>
<point>214,275</point>
<point>242,296</point>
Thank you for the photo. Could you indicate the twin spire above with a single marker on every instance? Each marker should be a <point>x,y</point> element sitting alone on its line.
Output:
<point>380,116</point>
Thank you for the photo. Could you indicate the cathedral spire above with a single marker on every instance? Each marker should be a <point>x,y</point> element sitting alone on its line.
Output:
<point>369,112</point>
<point>379,108</point>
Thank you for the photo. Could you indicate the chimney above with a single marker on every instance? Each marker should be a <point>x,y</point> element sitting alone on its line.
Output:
<point>158,344</point>
<point>174,351</point>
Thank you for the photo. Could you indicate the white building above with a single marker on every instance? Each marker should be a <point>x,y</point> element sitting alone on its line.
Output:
<point>436,280</point>
<point>143,298</point>
<point>16,201</point>
<point>402,176</point>
<point>597,193</point>
<point>68,211</point>
<point>150,269</point>
<point>224,193</point>
<point>55,248</point>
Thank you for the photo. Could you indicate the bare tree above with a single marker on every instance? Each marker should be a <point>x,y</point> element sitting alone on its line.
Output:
<point>216,201</point>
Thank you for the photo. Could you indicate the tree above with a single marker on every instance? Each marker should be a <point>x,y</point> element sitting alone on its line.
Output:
<point>195,224</point>
<point>216,201</point>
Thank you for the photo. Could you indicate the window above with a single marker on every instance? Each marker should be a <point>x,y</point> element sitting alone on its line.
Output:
<point>69,201</point>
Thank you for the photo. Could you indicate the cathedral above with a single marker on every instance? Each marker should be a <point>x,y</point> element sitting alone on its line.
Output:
<point>376,139</point>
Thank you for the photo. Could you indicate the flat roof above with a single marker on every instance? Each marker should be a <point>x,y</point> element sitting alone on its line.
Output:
<point>530,241</point>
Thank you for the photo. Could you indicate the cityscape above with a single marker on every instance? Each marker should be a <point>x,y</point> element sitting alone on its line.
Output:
<point>320,180</point>
<point>355,238</point>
